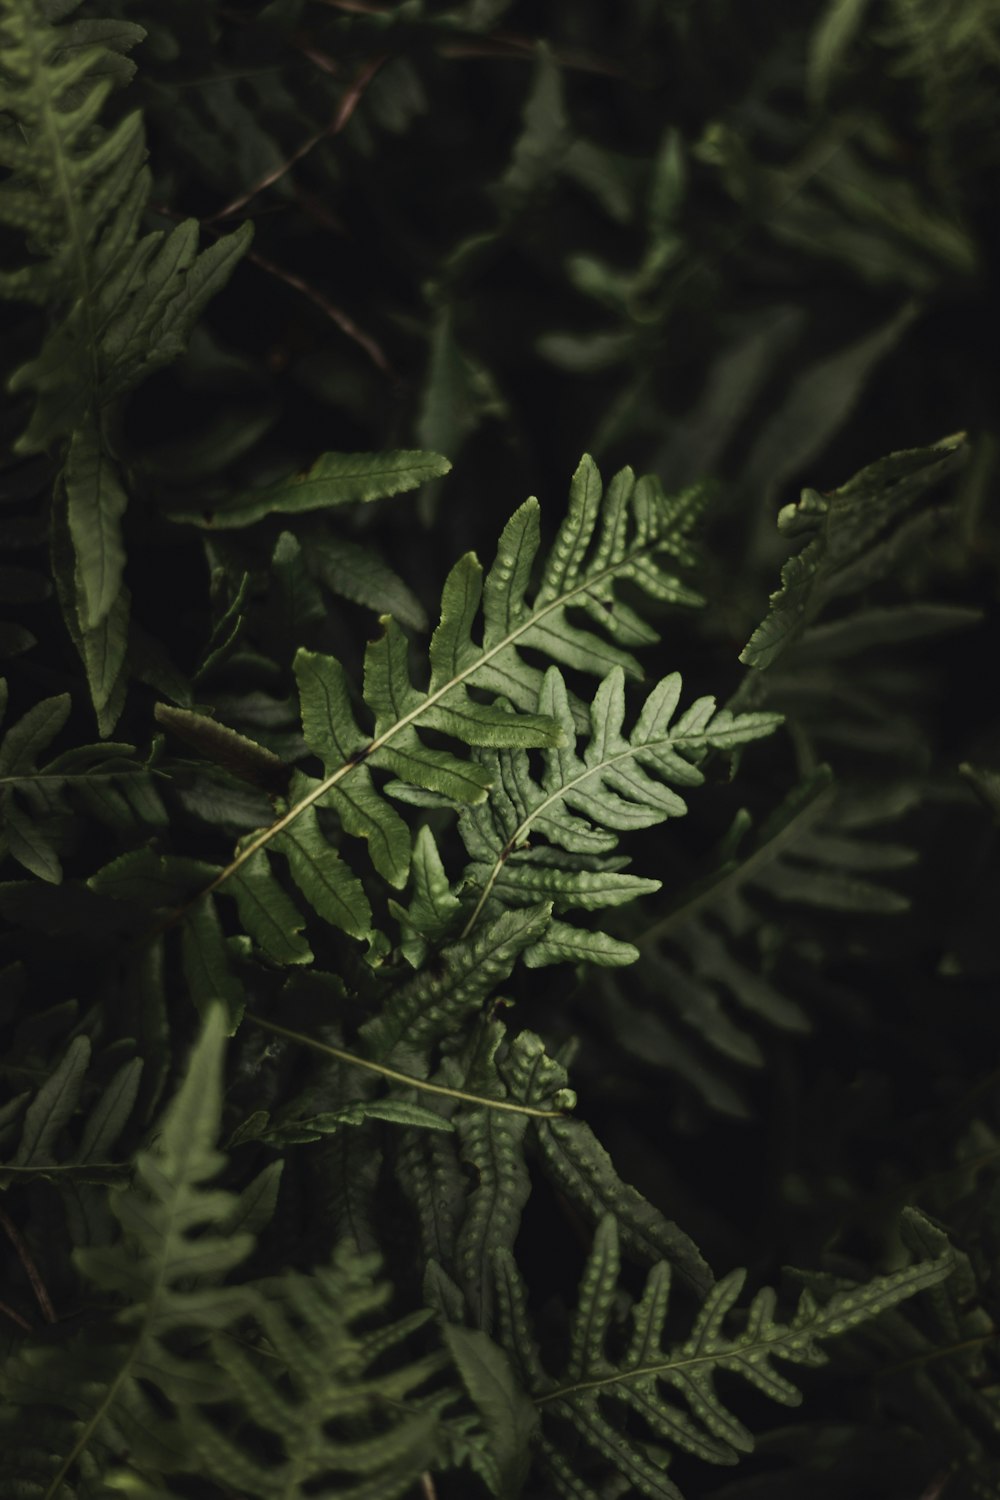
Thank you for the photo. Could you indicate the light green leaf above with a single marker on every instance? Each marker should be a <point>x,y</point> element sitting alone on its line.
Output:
<point>334,479</point>
<point>266,912</point>
<point>433,907</point>
<point>330,887</point>
<point>582,802</point>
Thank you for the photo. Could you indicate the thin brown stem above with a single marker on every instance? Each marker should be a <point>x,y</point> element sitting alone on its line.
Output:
<point>15,1317</point>
<point>30,1269</point>
<point>345,109</point>
<point>335,314</point>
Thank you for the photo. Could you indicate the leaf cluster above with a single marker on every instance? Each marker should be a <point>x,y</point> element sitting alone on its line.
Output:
<point>458,948</point>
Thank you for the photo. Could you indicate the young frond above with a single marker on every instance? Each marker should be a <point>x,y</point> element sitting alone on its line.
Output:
<point>671,1387</point>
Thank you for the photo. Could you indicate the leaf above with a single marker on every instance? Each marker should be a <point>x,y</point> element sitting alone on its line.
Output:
<point>299,1131</point>
<point>433,907</point>
<point>160,1274</point>
<point>334,479</point>
<point>319,1369</point>
<point>583,1169</point>
<point>267,914</point>
<point>96,503</point>
<point>510,1419</point>
<point>640,534</point>
<point>432,1003</point>
<point>356,572</point>
<point>52,1108</point>
<point>242,757</point>
<point>647,1378</point>
<point>330,887</point>
<point>206,962</point>
<point>830,43</point>
<point>582,802</point>
<point>849,541</point>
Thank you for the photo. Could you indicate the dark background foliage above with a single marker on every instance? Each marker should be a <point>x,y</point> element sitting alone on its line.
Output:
<point>711,241</point>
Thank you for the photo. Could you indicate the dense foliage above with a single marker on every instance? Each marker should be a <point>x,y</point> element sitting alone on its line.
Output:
<point>439,999</point>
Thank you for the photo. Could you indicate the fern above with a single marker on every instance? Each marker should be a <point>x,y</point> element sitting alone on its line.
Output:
<point>119,305</point>
<point>38,1124</point>
<point>633,534</point>
<point>717,972</point>
<point>108,780</point>
<point>596,1373</point>
<point>581,803</point>
<point>851,538</point>
<point>316,1381</point>
<point>173,1229</point>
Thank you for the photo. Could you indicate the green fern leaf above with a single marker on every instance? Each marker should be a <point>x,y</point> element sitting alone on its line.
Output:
<point>852,536</point>
<point>509,1417</point>
<point>319,1371</point>
<point>582,1169</point>
<point>353,571</point>
<point>38,803</point>
<point>119,306</point>
<point>334,479</point>
<point>42,1149</point>
<point>710,980</point>
<point>434,1002</point>
<point>648,1377</point>
<point>434,907</point>
<point>171,1251</point>
<point>633,534</point>
<point>582,802</point>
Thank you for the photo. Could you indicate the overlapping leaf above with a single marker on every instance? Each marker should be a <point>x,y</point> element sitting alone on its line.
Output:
<point>711,978</point>
<point>582,802</point>
<point>38,802</point>
<point>312,1375</point>
<point>632,533</point>
<point>650,1376</point>
<point>179,1237</point>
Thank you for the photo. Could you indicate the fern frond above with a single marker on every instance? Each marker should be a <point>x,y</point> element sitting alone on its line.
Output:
<point>39,1126</point>
<point>582,802</point>
<point>935,1362</point>
<point>312,1386</point>
<point>177,1240</point>
<point>852,537</point>
<point>334,479</point>
<point>581,1168</point>
<point>433,1003</point>
<point>119,306</point>
<point>37,814</point>
<point>647,1377</point>
<point>632,534</point>
<point>123,306</point>
<point>712,976</point>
